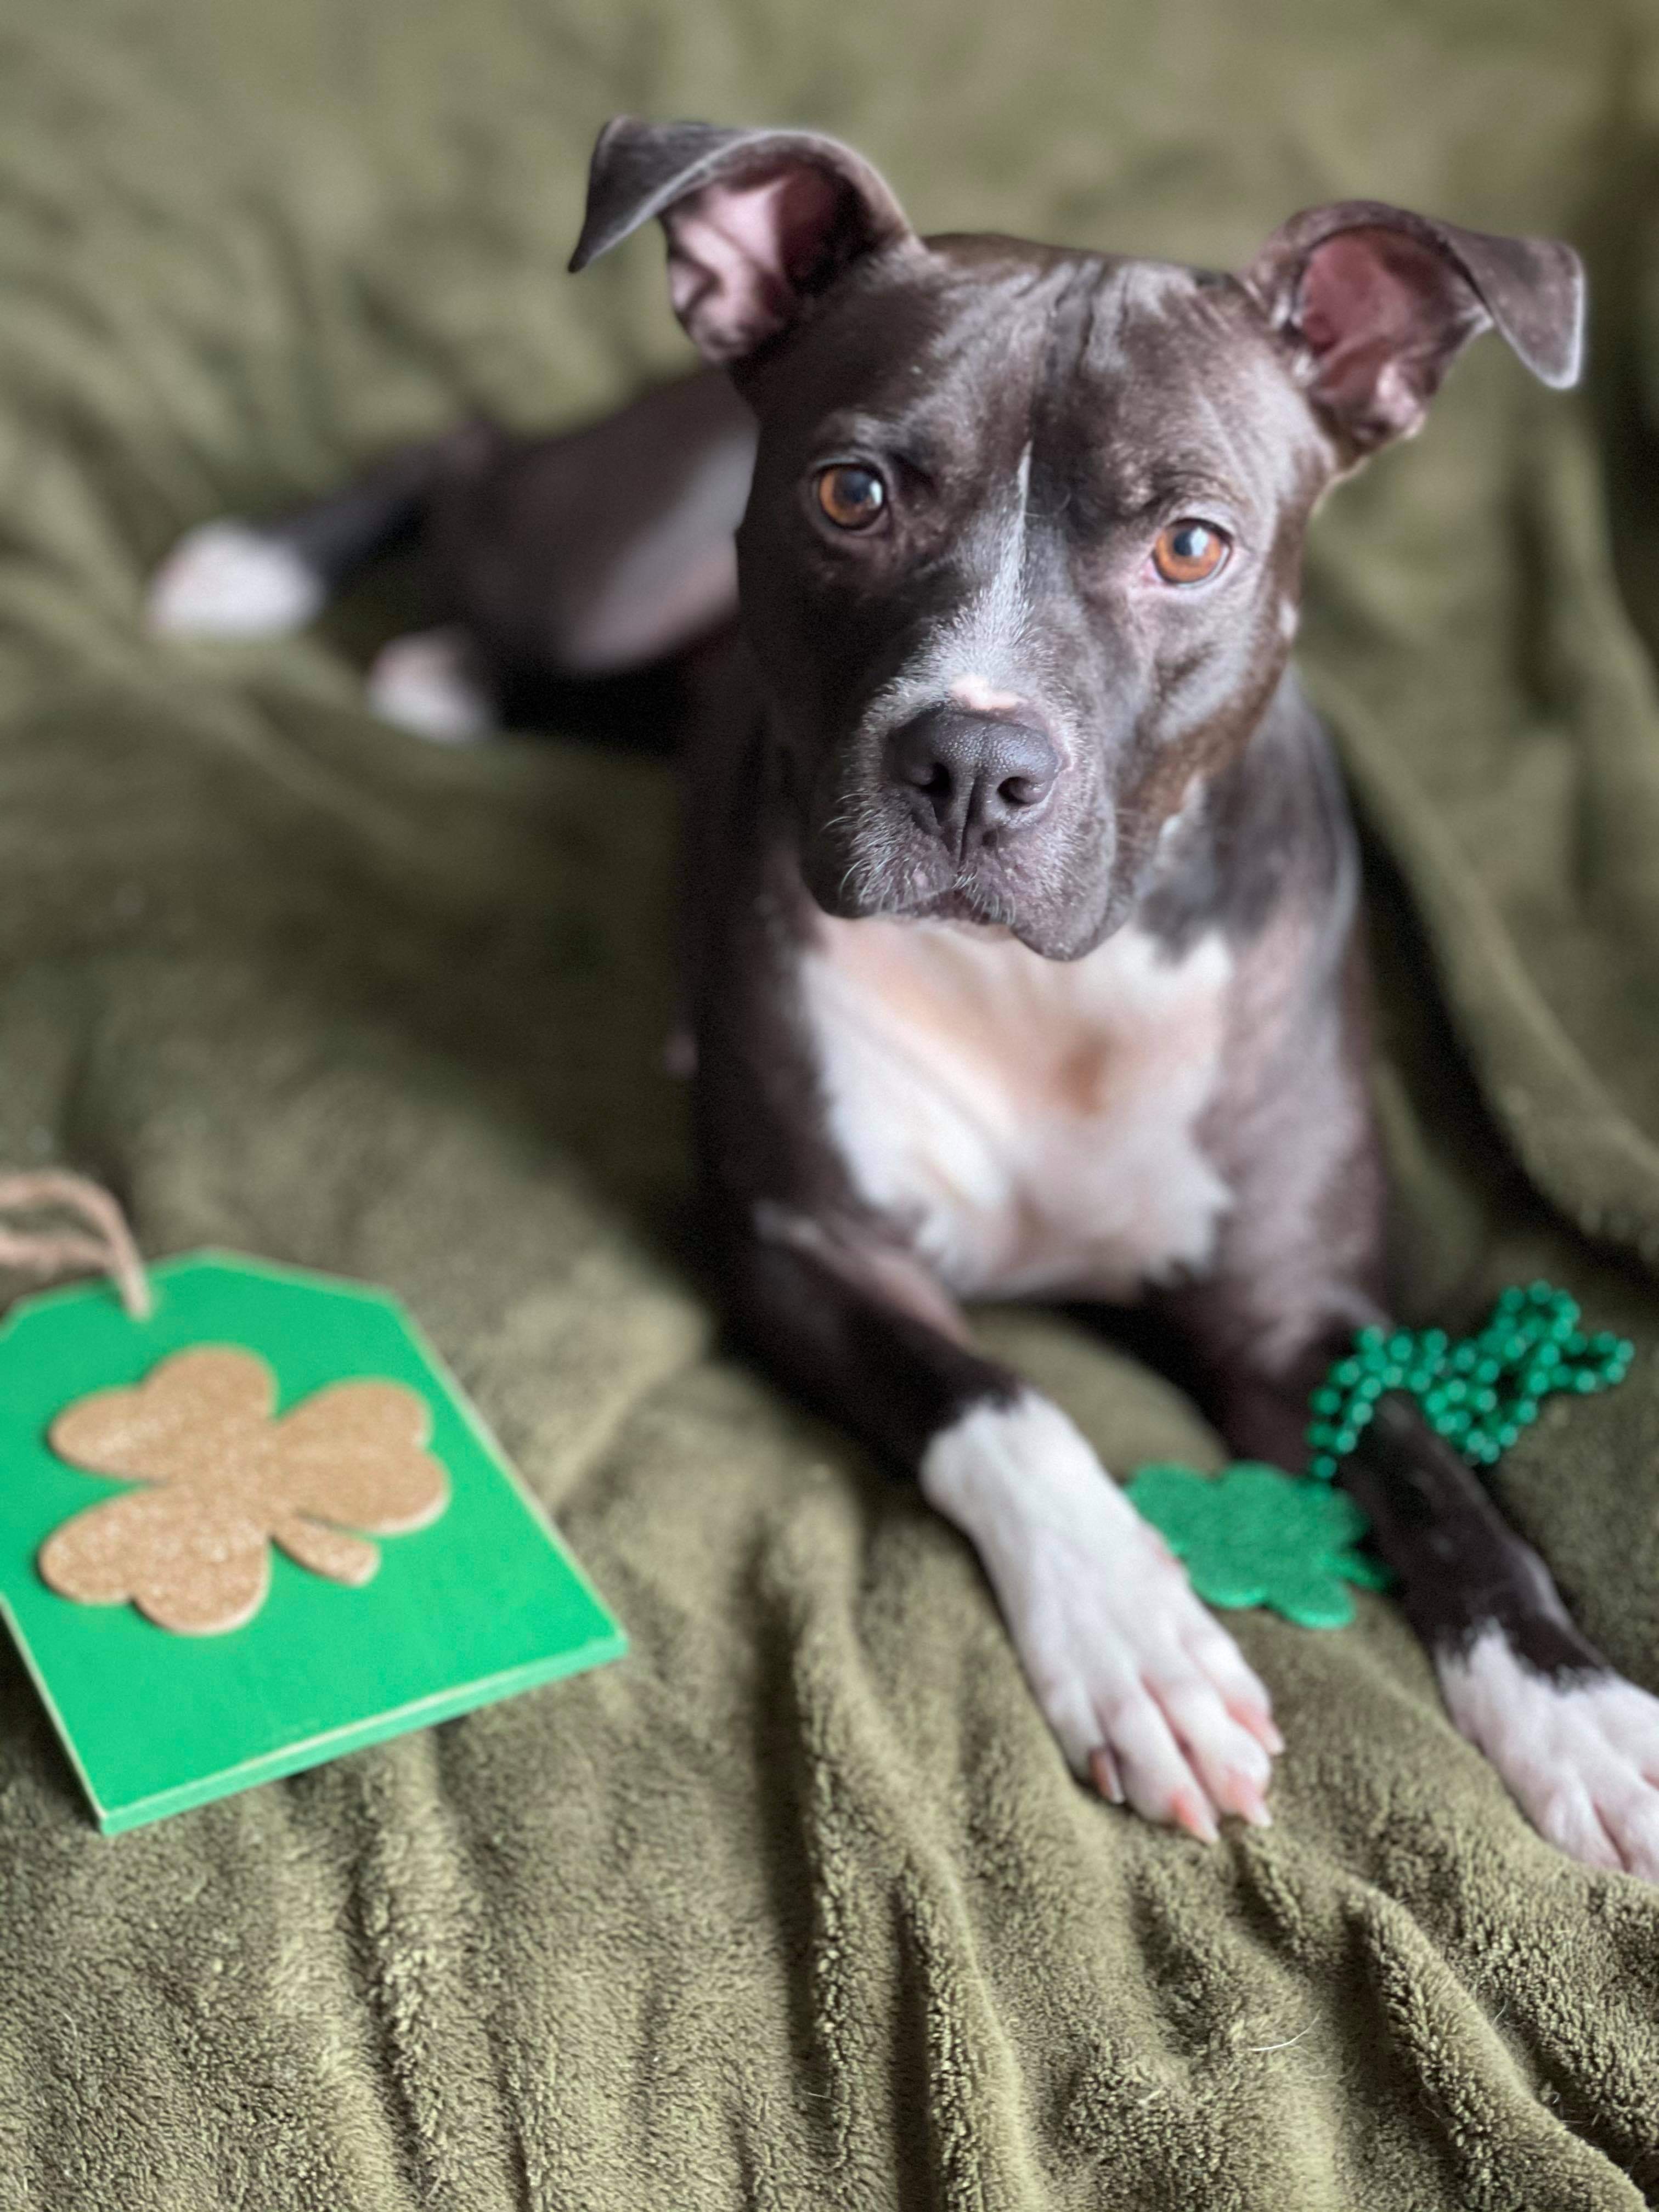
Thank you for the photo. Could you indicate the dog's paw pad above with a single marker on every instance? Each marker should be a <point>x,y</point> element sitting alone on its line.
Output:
<point>423,682</point>
<point>225,580</point>
<point>1183,1722</point>
<point>1580,1753</point>
<point>1146,1693</point>
<point>1148,1696</point>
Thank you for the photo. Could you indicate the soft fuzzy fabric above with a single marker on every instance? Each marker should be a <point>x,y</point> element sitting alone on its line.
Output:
<point>797,1905</point>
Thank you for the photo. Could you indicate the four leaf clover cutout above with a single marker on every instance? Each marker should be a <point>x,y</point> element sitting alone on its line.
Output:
<point>224,1478</point>
<point>1254,1536</point>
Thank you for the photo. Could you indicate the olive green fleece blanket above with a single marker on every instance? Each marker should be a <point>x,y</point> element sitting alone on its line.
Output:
<point>797,1906</point>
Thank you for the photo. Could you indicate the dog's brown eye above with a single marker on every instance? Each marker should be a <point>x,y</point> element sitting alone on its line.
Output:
<point>852,497</point>
<point>1188,551</point>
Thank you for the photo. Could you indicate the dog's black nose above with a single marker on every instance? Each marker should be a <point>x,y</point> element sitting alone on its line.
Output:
<point>975,778</point>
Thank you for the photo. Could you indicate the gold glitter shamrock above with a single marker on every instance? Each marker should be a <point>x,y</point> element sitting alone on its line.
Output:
<point>226,1480</point>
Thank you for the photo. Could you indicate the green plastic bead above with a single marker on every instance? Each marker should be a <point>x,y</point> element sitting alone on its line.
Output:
<point>1479,1393</point>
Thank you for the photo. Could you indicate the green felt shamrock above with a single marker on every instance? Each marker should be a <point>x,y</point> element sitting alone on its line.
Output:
<point>1255,1536</point>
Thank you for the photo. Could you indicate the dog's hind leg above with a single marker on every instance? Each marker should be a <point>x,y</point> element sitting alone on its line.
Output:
<point>603,549</point>
<point>427,682</point>
<point>236,579</point>
<point>1577,1745</point>
<point>545,562</point>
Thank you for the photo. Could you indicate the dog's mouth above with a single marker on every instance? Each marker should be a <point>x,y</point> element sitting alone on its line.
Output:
<point>978,898</point>
<point>966,901</point>
<point>887,877</point>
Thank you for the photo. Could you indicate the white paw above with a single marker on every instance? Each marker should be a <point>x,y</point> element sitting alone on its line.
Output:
<point>1581,1758</point>
<point>1146,1693</point>
<point>423,682</point>
<point>227,580</point>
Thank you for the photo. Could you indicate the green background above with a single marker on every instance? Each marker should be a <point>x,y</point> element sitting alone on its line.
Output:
<point>799,1906</point>
<point>482,1602</point>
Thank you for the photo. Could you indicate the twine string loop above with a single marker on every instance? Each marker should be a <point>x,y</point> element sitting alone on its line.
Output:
<point>103,1241</point>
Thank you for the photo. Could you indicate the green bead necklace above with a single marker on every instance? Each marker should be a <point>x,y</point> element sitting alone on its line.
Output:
<point>1256,1536</point>
<point>1479,1394</point>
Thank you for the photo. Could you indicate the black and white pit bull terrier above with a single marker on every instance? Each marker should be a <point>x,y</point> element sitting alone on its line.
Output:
<point>1023,891</point>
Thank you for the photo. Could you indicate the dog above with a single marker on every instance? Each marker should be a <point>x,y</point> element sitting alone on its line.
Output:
<point>1022,896</point>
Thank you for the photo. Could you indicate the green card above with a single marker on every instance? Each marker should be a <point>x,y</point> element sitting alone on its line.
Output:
<point>407,1577</point>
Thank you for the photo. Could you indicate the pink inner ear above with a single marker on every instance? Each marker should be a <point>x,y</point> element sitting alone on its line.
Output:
<point>1382,316</point>
<point>739,251</point>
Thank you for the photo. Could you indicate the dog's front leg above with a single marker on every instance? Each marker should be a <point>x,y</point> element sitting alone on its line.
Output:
<point>1577,1744</point>
<point>1146,1693</point>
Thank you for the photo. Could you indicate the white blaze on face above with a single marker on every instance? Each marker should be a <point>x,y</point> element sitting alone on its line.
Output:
<point>982,696</point>
<point>978,656</point>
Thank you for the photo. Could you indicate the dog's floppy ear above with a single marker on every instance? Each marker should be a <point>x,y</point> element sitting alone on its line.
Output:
<point>1375,305</point>
<point>757,220</point>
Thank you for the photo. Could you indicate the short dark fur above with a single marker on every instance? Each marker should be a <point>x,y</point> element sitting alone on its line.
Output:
<point>1197,793</point>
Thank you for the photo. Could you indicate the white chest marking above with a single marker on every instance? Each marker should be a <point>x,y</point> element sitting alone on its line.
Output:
<point>1030,1124</point>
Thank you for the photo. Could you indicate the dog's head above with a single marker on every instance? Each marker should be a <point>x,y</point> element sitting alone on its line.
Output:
<point>1022,556</point>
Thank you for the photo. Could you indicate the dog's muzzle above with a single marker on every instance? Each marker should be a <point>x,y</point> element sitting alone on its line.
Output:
<point>971,781</point>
